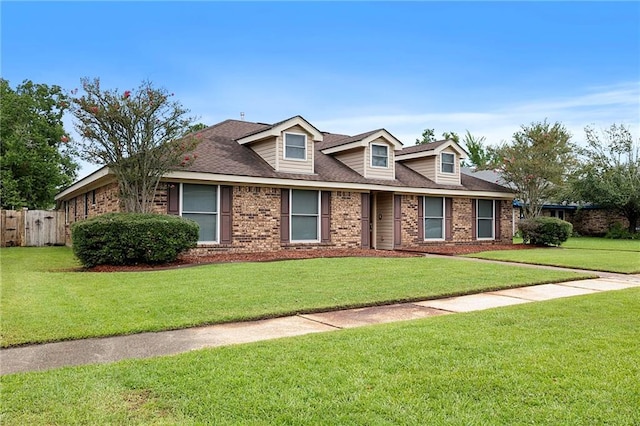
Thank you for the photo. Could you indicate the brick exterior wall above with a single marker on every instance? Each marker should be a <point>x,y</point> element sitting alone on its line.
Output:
<point>595,222</point>
<point>462,218</point>
<point>256,222</point>
<point>345,219</point>
<point>256,219</point>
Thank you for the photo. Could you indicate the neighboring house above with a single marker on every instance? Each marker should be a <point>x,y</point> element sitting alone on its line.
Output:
<point>586,219</point>
<point>258,187</point>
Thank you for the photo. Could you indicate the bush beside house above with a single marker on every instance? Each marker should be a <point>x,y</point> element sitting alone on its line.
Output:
<point>131,238</point>
<point>548,231</point>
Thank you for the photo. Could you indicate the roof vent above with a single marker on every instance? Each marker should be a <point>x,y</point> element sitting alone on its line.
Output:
<point>242,116</point>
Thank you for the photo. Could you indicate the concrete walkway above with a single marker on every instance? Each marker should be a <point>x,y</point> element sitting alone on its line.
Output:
<point>145,345</point>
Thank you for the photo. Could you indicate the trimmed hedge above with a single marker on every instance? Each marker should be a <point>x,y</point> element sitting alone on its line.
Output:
<point>131,238</point>
<point>545,231</point>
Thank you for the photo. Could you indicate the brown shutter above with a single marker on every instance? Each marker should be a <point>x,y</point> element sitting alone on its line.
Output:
<point>448,219</point>
<point>325,220</point>
<point>496,218</point>
<point>173,198</point>
<point>365,221</point>
<point>284,216</point>
<point>226,202</point>
<point>397,221</point>
<point>474,220</point>
<point>420,218</point>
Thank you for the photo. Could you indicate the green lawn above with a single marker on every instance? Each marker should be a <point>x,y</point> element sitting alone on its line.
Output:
<point>40,305</point>
<point>594,243</point>
<point>563,362</point>
<point>598,254</point>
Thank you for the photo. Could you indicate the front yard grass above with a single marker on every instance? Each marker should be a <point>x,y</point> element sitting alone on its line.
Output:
<point>569,361</point>
<point>41,302</point>
<point>597,254</point>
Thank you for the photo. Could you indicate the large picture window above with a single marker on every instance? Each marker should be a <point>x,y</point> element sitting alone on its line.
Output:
<point>447,162</point>
<point>433,218</point>
<point>379,156</point>
<point>295,146</point>
<point>485,218</point>
<point>305,211</point>
<point>200,204</point>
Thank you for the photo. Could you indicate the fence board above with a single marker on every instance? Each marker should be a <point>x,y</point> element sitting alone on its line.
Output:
<point>32,228</point>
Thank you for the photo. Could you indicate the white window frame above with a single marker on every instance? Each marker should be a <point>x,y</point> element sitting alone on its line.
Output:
<point>442,162</point>
<point>291,214</point>
<point>425,217</point>
<point>371,156</point>
<point>493,220</point>
<point>284,146</point>
<point>217,213</point>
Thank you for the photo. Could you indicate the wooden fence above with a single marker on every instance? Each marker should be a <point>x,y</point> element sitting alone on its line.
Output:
<point>32,228</point>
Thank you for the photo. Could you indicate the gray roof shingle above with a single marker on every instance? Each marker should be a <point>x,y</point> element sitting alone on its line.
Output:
<point>219,153</point>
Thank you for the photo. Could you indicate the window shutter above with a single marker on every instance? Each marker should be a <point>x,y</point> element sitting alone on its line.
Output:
<point>226,202</point>
<point>448,219</point>
<point>365,221</point>
<point>496,218</point>
<point>284,216</point>
<point>420,218</point>
<point>325,220</point>
<point>474,220</point>
<point>397,221</point>
<point>173,198</point>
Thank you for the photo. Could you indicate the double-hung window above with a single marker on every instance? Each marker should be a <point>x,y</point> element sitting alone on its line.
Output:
<point>447,162</point>
<point>379,156</point>
<point>200,204</point>
<point>433,218</point>
<point>305,212</point>
<point>295,146</point>
<point>485,219</point>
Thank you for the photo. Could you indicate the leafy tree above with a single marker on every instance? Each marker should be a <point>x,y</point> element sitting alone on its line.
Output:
<point>537,163</point>
<point>136,134</point>
<point>428,136</point>
<point>35,160</point>
<point>609,173</point>
<point>481,157</point>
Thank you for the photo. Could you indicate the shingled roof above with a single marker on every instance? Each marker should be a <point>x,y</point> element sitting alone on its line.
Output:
<point>219,153</point>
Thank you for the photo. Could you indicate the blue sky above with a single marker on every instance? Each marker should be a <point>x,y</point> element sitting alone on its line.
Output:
<point>347,67</point>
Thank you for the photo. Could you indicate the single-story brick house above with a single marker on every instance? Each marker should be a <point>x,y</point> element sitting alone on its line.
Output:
<point>263,187</point>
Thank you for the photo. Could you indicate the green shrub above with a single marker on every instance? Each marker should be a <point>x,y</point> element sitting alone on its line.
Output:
<point>545,231</point>
<point>131,238</point>
<point>619,232</point>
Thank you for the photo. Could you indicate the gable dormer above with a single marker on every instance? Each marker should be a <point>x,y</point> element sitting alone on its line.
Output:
<point>438,161</point>
<point>287,146</point>
<point>371,154</point>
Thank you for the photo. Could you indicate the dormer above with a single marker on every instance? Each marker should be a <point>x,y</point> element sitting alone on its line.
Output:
<point>438,161</point>
<point>371,154</point>
<point>287,146</point>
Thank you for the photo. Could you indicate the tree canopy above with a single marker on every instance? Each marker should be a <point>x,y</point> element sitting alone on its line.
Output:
<point>609,172</point>
<point>537,163</point>
<point>481,157</point>
<point>139,134</point>
<point>429,135</point>
<point>35,161</point>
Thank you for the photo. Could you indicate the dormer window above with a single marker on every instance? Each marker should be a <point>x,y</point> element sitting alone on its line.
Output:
<point>379,156</point>
<point>447,162</point>
<point>295,146</point>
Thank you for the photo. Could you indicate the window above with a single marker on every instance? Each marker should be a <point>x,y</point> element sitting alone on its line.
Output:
<point>295,146</point>
<point>447,162</point>
<point>485,219</point>
<point>433,218</point>
<point>557,213</point>
<point>200,204</point>
<point>305,207</point>
<point>379,156</point>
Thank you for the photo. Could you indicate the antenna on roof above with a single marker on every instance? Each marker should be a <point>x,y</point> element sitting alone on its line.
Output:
<point>242,116</point>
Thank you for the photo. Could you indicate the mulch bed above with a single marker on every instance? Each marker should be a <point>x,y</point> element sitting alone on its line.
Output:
<point>186,260</point>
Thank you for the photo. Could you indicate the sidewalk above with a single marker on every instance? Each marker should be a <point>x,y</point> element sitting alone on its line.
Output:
<point>145,345</point>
